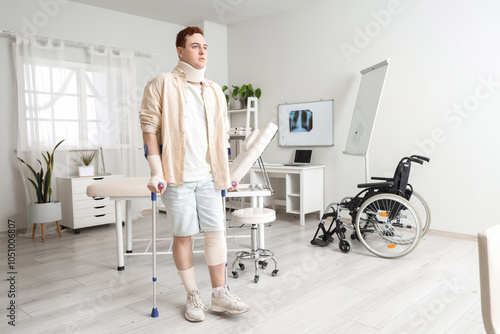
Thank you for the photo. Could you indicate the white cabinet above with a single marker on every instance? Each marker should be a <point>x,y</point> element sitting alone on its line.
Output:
<point>298,189</point>
<point>78,209</point>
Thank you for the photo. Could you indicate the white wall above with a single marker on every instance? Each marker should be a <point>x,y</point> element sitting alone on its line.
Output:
<point>443,53</point>
<point>76,22</point>
<point>445,58</point>
<point>216,37</point>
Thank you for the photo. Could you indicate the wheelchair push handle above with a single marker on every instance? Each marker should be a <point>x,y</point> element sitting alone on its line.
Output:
<point>419,159</point>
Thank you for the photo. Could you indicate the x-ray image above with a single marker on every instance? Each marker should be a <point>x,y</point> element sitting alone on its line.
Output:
<point>300,120</point>
<point>306,124</point>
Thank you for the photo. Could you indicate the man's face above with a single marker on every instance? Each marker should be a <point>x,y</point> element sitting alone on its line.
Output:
<point>195,51</point>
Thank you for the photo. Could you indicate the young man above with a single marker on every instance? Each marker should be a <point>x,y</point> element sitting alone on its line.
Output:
<point>187,114</point>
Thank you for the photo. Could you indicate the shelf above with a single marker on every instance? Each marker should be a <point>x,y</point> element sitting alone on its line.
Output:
<point>293,204</point>
<point>250,110</point>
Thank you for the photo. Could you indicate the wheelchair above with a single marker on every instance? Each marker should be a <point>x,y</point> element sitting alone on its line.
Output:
<point>388,217</point>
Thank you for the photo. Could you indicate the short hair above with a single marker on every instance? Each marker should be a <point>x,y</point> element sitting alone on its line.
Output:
<point>181,36</point>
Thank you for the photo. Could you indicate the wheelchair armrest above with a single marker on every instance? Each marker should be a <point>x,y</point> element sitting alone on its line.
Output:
<point>376,185</point>
<point>381,178</point>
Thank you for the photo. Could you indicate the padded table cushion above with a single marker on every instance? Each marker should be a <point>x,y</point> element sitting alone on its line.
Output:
<point>120,187</point>
<point>253,216</point>
<point>252,148</point>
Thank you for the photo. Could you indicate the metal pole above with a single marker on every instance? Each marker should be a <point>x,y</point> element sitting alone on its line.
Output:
<point>154,312</point>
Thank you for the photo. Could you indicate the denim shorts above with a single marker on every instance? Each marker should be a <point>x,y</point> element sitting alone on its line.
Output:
<point>196,207</point>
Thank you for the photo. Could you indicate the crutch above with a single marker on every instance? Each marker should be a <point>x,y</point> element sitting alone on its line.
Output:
<point>223,193</point>
<point>154,312</point>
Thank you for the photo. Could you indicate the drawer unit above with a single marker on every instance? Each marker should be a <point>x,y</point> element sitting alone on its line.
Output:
<point>79,210</point>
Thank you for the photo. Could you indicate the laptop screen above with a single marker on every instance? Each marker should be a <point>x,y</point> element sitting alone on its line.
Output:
<point>302,156</point>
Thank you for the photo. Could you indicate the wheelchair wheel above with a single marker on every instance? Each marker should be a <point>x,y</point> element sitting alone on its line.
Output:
<point>390,225</point>
<point>422,209</point>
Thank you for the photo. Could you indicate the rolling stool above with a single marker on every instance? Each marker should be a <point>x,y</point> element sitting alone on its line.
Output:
<point>254,217</point>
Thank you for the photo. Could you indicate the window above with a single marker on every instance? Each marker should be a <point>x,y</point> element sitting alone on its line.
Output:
<point>75,102</point>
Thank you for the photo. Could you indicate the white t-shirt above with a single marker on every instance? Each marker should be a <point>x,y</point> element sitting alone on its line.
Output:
<point>196,161</point>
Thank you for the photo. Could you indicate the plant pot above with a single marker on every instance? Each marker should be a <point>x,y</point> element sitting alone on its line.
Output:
<point>237,104</point>
<point>86,171</point>
<point>39,213</point>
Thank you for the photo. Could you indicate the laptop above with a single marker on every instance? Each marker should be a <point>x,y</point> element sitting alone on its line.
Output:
<point>301,158</point>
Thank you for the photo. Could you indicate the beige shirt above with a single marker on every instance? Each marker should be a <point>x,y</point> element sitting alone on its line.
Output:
<point>163,112</point>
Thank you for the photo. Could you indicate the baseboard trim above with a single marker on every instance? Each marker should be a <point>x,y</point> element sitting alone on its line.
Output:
<point>455,235</point>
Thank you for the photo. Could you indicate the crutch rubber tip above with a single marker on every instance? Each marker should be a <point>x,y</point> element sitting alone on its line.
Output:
<point>154,313</point>
<point>121,268</point>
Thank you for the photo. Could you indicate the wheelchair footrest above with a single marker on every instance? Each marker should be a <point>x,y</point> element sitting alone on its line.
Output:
<point>328,238</point>
<point>319,242</point>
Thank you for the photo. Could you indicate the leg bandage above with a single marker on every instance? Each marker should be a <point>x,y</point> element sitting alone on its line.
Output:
<point>188,279</point>
<point>215,248</point>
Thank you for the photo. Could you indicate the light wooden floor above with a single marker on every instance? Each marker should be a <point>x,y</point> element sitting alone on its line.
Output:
<point>71,285</point>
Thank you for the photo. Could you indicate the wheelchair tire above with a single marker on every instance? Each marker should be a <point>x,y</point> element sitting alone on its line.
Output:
<point>389,224</point>
<point>422,209</point>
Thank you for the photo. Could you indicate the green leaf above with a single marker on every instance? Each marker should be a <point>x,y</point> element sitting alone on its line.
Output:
<point>43,180</point>
<point>29,167</point>
<point>258,93</point>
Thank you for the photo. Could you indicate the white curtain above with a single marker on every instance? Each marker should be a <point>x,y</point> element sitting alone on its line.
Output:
<point>91,105</point>
<point>113,81</point>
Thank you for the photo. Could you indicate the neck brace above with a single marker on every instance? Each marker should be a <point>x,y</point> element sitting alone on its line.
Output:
<point>192,74</point>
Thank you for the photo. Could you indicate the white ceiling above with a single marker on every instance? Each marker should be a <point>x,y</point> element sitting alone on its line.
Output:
<point>186,12</point>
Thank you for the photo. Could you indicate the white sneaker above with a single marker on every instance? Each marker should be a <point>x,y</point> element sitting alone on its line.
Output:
<point>195,310</point>
<point>228,302</point>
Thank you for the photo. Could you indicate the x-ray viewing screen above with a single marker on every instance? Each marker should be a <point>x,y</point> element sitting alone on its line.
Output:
<point>301,120</point>
<point>306,124</point>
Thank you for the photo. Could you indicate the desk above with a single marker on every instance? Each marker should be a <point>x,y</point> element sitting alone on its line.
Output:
<point>298,188</point>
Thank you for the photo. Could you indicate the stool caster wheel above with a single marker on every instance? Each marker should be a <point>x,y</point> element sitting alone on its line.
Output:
<point>256,279</point>
<point>242,266</point>
<point>263,264</point>
<point>235,274</point>
<point>275,272</point>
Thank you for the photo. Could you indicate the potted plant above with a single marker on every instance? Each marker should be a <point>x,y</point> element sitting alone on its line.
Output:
<point>43,210</point>
<point>240,95</point>
<point>247,91</point>
<point>84,162</point>
<point>235,94</point>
